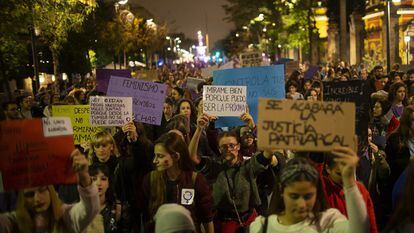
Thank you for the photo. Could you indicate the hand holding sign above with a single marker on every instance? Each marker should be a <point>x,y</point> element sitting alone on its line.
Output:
<point>130,129</point>
<point>203,121</point>
<point>347,160</point>
<point>248,119</point>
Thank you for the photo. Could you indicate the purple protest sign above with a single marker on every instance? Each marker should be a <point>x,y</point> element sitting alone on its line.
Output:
<point>148,97</point>
<point>103,76</point>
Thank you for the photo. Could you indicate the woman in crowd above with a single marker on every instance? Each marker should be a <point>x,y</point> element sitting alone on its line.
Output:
<point>107,220</point>
<point>186,107</point>
<point>104,150</point>
<point>397,96</point>
<point>297,203</point>
<point>40,210</point>
<point>379,123</point>
<point>177,93</point>
<point>174,181</point>
<point>400,144</point>
<point>233,179</point>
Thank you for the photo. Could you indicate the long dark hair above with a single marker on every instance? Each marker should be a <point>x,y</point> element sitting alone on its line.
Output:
<point>405,130</point>
<point>193,116</point>
<point>404,212</point>
<point>173,143</point>
<point>393,92</point>
<point>94,169</point>
<point>298,169</point>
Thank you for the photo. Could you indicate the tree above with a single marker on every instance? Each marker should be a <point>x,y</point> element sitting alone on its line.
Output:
<point>55,19</point>
<point>14,37</point>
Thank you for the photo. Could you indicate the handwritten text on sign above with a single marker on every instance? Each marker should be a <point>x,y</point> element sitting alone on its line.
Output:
<point>304,125</point>
<point>57,126</point>
<point>110,111</point>
<point>29,159</point>
<point>148,97</point>
<point>79,116</point>
<point>224,100</point>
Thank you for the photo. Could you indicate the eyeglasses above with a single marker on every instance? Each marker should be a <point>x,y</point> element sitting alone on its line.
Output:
<point>229,147</point>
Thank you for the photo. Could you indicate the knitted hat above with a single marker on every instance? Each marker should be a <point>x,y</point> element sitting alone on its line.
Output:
<point>172,218</point>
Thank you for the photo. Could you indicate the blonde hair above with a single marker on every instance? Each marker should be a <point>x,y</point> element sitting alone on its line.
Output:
<point>24,220</point>
<point>102,137</point>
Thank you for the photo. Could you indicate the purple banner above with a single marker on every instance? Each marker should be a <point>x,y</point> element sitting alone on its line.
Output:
<point>147,97</point>
<point>103,76</point>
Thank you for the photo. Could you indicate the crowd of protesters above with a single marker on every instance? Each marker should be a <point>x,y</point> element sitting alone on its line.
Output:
<point>186,175</point>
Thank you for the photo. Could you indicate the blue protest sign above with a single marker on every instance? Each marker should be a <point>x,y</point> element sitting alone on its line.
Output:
<point>261,81</point>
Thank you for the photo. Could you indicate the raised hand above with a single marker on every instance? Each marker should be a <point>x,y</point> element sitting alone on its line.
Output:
<point>248,119</point>
<point>80,165</point>
<point>347,160</point>
<point>203,121</point>
<point>131,131</point>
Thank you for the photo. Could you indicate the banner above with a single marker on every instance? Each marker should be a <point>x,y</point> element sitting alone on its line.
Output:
<point>148,97</point>
<point>305,125</point>
<point>224,100</point>
<point>110,111</point>
<point>262,81</point>
<point>192,83</point>
<point>29,159</point>
<point>79,116</point>
<point>103,76</point>
<point>358,92</point>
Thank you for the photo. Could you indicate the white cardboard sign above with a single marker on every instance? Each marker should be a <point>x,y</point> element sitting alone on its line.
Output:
<point>224,100</point>
<point>57,126</point>
<point>110,111</point>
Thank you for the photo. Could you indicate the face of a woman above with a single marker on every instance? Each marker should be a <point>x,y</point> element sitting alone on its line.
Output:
<point>162,159</point>
<point>102,182</point>
<point>185,109</point>
<point>397,79</point>
<point>168,110</point>
<point>377,110</point>
<point>37,199</point>
<point>400,95</point>
<point>175,95</point>
<point>103,151</point>
<point>292,89</point>
<point>369,135</point>
<point>229,148</point>
<point>299,198</point>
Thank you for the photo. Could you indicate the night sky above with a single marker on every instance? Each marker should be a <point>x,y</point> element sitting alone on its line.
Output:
<point>189,16</point>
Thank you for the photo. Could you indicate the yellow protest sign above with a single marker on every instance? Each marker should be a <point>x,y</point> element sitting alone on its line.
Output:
<point>305,125</point>
<point>79,116</point>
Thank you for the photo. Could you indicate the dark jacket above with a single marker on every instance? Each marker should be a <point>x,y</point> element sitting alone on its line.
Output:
<point>202,207</point>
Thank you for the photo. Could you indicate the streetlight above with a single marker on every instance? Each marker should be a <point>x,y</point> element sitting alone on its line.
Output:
<point>389,32</point>
<point>407,40</point>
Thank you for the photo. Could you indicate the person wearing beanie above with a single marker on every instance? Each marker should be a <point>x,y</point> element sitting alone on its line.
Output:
<point>173,218</point>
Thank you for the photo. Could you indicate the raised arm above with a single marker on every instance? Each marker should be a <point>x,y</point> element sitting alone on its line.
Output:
<point>80,215</point>
<point>358,221</point>
<point>202,122</point>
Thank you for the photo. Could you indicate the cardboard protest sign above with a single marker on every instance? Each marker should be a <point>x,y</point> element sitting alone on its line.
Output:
<point>79,116</point>
<point>358,92</point>
<point>251,59</point>
<point>305,125</point>
<point>110,111</point>
<point>262,81</point>
<point>103,76</point>
<point>224,100</point>
<point>57,126</point>
<point>192,83</point>
<point>148,97</point>
<point>29,159</point>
